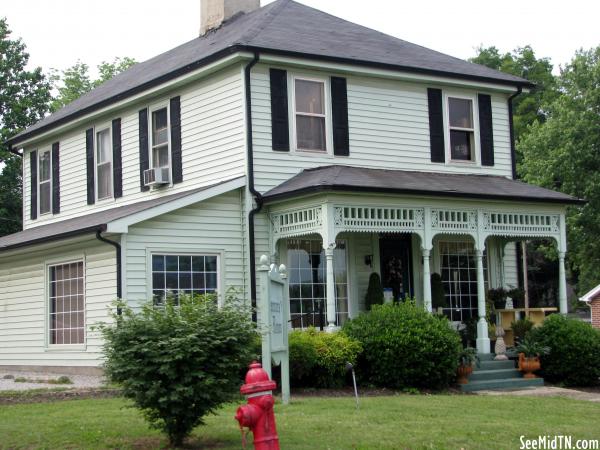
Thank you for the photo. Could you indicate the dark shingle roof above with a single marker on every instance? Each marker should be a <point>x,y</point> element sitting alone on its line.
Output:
<point>356,179</point>
<point>85,224</point>
<point>282,27</point>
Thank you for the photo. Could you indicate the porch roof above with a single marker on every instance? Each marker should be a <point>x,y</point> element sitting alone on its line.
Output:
<point>435,184</point>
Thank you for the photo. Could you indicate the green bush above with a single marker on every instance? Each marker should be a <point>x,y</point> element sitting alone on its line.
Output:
<point>318,359</point>
<point>574,357</point>
<point>178,363</point>
<point>404,346</point>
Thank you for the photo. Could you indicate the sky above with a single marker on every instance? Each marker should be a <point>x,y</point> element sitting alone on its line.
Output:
<point>60,32</point>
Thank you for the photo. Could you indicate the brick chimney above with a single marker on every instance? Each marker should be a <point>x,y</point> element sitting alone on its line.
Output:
<point>214,12</point>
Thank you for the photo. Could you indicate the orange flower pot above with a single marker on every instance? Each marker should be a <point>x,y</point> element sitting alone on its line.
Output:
<point>463,373</point>
<point>528,365</point>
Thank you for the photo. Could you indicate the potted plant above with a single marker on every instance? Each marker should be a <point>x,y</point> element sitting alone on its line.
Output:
<point>497,297</point>
<point>520,328</point>
<point>529,356</point>
<point>465,367</point>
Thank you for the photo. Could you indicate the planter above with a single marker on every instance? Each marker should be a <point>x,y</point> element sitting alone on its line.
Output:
<point>528,365</point>
<point>463,373</point>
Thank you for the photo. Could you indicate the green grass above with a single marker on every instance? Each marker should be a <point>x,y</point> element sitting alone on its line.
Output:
<point>394,422</point>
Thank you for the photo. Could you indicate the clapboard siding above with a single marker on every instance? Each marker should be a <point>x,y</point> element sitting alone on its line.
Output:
<point>23,302</point>
<point>213,144</point>
<point>389,128</point>
<point>511,273</point>
<point>214,225</point>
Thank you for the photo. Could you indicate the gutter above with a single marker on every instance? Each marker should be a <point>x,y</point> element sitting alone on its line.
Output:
<point>117,247</point>
<point>258,198</point>
<point>513,153</point>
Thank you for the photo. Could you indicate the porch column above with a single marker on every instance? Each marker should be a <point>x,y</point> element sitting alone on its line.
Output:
<point>331,306</point>
<point>426,279</point>
<point>562,284</point>
<point>483,340</point>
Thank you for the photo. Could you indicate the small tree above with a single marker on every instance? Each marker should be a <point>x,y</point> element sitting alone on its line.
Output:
<point>178,363</point>
<point>374,294</point>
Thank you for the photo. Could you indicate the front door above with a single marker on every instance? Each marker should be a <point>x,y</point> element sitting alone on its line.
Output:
<point>396,267</point>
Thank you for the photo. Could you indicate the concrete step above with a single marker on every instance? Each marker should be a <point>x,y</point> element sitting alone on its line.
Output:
<point>486,356</point>
<point>496,374</point>
<point>495,365</point>
<point>505,384</point>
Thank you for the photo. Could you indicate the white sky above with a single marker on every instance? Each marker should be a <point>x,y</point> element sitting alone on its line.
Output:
<point>58,32</point>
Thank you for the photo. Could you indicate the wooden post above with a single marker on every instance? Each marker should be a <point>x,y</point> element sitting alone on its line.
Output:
<point>525,274</point>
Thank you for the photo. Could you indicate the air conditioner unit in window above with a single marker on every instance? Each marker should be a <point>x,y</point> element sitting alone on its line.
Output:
<point>156,176</point>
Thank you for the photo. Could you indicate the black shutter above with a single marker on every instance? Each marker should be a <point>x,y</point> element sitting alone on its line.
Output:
<point>89,159</point>
<point>339,116</point>
<point>34,188</point>
<point>486,133</point>
<point>280,133</point>
<point>436,125</point>
<point>175,112</point>
<point>144,162</point>
<point>117,159</point>
<point>55,178</point>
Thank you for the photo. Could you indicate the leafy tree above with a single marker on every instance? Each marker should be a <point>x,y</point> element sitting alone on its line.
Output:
<point>75,81</point>
<point>24,97</point>
<point>179,363</point>
<point>528,107</point>
<point>563,153</point>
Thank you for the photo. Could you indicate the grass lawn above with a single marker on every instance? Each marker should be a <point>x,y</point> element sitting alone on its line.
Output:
<point>394,422</point>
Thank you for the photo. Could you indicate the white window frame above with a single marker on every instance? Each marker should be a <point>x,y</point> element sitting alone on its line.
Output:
<point>98,129</point>
<point>151,109</point>
<point>39,182</point>
<point>150,252</point>
<point>327,108</point>
<point>58,262</point>
<point>476,158</point>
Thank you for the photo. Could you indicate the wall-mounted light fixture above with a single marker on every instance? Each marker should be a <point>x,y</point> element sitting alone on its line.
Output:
<point>369,260</point>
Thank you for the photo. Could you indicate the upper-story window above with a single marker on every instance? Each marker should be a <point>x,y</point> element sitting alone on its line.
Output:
<point>310,113</point>
<point>45,181</point>
<point>461,129</point>
<point>159,154</point>
<point>104,172</point>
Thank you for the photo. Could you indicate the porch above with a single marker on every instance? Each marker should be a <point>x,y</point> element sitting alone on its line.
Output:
<point>332,242</point>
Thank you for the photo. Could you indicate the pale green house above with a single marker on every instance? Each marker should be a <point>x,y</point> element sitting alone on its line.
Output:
<point>282,130</point>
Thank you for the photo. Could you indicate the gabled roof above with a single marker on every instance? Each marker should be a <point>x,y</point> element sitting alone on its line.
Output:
<point>591,295</point>
<point>102,220</point>
<point>283,27</point>
<point>433,184</point>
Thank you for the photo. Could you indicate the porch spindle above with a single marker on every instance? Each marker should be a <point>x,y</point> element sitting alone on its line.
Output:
<point>426,280</point>
<point>330,289</point>
<point>562,284</point>
<point>483,340</point>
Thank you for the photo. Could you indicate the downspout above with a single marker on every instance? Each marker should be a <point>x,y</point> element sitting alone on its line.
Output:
<point>117,247</point>
<point>513,153</point>
<point>257,195</point>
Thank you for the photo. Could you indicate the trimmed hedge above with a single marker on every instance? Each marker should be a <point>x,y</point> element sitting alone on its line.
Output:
<point>404,346</point>
<point>318,359</point>
<point>574,357</point>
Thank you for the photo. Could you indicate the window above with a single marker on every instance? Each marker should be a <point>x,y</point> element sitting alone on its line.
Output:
<point>45,181</point>
<point>310,115</point>
<point>461,129</point>
<point>459,278</point>
<point>173,275</point>
<point>308,276</point>
<point>67,303</point>
<point>103,164</point>
<point>160,138</point>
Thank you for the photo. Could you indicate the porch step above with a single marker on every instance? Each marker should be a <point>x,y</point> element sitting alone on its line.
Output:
<point>495,365</point>
<point>495,374</point>
<point>502,384</point>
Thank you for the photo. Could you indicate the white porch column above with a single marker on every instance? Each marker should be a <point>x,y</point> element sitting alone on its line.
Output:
<point>331,306</point>
<point>483,340</point>
<point>426,279</point>
<point>562,284</point>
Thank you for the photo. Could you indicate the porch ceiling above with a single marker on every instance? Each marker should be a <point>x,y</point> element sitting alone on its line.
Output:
<point>358,179</point>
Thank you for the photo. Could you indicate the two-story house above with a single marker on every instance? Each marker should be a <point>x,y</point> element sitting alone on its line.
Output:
<point>335,149</point>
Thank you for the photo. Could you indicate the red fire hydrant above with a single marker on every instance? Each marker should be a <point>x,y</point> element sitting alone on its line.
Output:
<point>258,415</point>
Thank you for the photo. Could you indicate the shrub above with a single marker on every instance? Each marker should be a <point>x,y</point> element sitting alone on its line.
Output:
<point>318,359</point>
<point>374,295</point>
<point>404,346</point>
<point>574,357</point>
<point>178,363</point>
